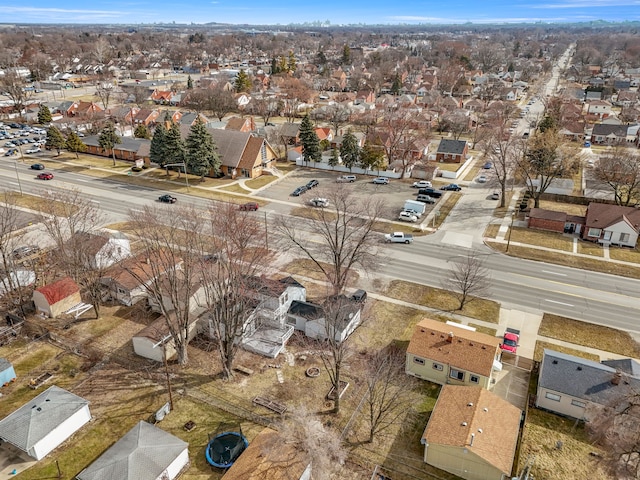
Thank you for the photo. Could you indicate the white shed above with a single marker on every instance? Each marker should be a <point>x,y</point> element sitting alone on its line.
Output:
<point>45,422</point>
<point>146,452</point>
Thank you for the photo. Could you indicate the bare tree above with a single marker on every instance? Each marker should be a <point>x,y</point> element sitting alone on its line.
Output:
<point>616,428</point>
<point>346,233</point>
<point>229,277</point>
<point>105,92</point>
<point>12,85</point>
<point>468,279</point>
<point>388,391</point>
<point>545,158</point>
<point>337,115</point>
<point>264,107</point>
<point>620,169</point>
<point>220,102</point>
<point>502,153</point>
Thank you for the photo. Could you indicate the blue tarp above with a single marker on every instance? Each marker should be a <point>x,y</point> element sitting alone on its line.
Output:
<point>7,373</point>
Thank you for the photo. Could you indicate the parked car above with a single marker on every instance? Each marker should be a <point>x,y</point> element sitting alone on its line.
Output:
<point>312,183</point>
<point>346,179</point>
<point>495,196</point>
<point>45,176</point>
<point>398,237</point>
<point>482,179</point>
<point>319,202</point>
<point>587,144</point>
<point>422,184</point>
<point>359,296</point>
<point>487,166</point>
<point>166,198</point>
<point>452,187</point>
<point>425,198</point>
<point>299,191</point>
<point>430,191</point>
<point>412,212</point>
<point>407,217</point>
<point>37,166</point>
<point>380,181</point>
<point>249,206</point>
<point>25,251</point>
<point>11,151</point>
<point>510,341</point>
<point>33,150</point>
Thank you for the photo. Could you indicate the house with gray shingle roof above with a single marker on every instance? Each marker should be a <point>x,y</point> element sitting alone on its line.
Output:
<point>46,421</point>
<point>452,151</point>
<point>146,452</point>
<point>568,385</point>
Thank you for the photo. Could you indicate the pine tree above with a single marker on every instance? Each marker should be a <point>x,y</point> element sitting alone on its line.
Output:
<point>310,142</point>
<point>291,63</point>
<point>346,55</point>
<point>334,159</point>
<point>44,115</point>
<point>201,152</point>
<point>54,139</point>
<point>157,152</point>
<point>274,66</point>
<point>189,83</point>
<point>108,139</point>
<point>242,82</point>
<point>74,144</point>
<point>174,145</point>
<point>350,150</point>
<point>142,131</point>
<point>321,58</point>
<point>371,157</point>
<point>397,85</point>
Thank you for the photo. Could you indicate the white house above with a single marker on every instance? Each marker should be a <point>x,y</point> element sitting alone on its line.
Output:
<point>612,224</point>
<point>155,341</point>
<point>601,108</point>
<point>45,422</point>
<point>310,319</point>
<point>101,250</point>
<point>146,452</point>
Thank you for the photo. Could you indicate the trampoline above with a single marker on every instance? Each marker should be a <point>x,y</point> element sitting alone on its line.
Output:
<point>225,448</point>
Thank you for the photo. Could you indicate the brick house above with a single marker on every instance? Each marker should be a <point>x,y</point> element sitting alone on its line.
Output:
<point>541,219</point>
<point>452,151</point>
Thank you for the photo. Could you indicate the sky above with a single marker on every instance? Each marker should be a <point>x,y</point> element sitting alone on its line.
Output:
<point>273,12</point>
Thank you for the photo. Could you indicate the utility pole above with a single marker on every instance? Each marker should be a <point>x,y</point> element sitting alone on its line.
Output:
<point>513,216</point>
<point>15,164</point>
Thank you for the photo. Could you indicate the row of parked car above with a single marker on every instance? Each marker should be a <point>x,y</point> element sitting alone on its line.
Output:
<point>303,188</point>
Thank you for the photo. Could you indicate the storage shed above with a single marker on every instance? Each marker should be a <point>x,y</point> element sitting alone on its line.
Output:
<point>57,297</point>
<point>45,422</point>
<point>7,373</point>
<point>146,452</point>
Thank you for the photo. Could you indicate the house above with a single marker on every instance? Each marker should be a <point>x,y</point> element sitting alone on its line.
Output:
<point>609,134</point>
<point>568,385</point>
<point>128,280</point>
<point>162,96</point>
<point>45,422</point>
<point>56,298</point>
<point>269,458</point>
<point>146,452</point>
<point>600,108</point>
<point>612,225</point>
<point>101,250</point>
<point>84,109</point>
<point>310,319</point>
<point>130,149</point>
<point>446,354</point>
<point>240,124</point>
<point>189,118</point>
<point>541,219</point>
<point>452,151</point>
<point>155,341</point>
<point>472,433</point>
<point>7,372</point>
<point>289,133</point>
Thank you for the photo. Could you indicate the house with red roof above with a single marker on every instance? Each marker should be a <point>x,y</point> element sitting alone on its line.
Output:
<point>56,298</point>
<point>612,225</point>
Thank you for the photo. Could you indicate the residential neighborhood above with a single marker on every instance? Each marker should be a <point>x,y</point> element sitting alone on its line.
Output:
<point>319,252</point>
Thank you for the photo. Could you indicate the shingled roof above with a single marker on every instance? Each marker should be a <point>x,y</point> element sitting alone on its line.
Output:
<point>455,147</point>
<point>602,215</point>
<point>59,290</point>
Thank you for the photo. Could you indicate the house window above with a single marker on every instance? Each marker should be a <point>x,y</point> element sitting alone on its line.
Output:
<point>263,153</point>
<point>552,396</point>
<point>474,379</point>
<point>457,374</point>
<point>578,403</point>
<point>419,361</point>
<point>594,232</point>
<point>624,238</point>
<point>437,366</point>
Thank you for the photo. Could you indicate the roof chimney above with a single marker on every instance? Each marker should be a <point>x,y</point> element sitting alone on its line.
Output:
<point>450,337</point>
<point>616,378</point>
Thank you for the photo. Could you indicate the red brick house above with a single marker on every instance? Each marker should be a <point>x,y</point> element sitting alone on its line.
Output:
<point>452,151</point>
<point>541,219</point>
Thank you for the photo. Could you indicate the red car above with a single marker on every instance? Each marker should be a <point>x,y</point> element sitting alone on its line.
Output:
<point>251,206</point>
<point>45,176</point>
<point>510,341</point>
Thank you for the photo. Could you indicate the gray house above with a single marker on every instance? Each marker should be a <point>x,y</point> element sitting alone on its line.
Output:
<point>568,385</point>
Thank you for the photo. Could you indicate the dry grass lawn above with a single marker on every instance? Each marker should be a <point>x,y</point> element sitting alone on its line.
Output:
<point>590,248</point>
<point>492,230</point>
<point>260,182</point>
<point>589,335</point>
<point>572,462</point>
<point>445,208</point>
<point>540,347</point>
<point>540,238</point>
<point>235,188</point>
<point>568,260</point>
<point>568,208</point>
<point>625,254</point>
<point>444,300</point>
<point>306,268</point>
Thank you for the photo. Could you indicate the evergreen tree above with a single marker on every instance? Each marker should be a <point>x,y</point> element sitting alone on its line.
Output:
<point>350,150</point>
<point>242,82</point>
<point>108,139</point>
<point>334,159</point>
<point>174,148</point>
<point>201,151</point>
<point>157,148</point>
<point>346,55</point>
<point>372,157</point>
<point>397,84</point>
<point>54,139</point>
<point>44,115</point>
<point>189,83</point>
<point>74,144</point>
<point>321,58</point>
<point>274,66</point>
<point>291,63</point>
<point>142,131</point>
<point>282,64</point>
<point>310,141</point>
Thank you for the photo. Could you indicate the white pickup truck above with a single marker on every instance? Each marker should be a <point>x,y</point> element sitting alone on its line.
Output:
<point>398,237</point>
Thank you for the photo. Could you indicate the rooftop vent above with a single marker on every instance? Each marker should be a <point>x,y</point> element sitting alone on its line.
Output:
<point>450,337</point>
<point>579,369</point>
<point>464,424</point>
<point>470,404</point>
<point>555,362</point>
<point>485,409</point>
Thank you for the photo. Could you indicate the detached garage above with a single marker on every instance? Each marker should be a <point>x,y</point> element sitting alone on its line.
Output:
<point>45,422</point>
<point>146,452</point>
<point>57,297</point>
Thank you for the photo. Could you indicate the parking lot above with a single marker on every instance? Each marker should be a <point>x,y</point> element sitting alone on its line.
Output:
<point>17,139</point>
<point>392,195</point>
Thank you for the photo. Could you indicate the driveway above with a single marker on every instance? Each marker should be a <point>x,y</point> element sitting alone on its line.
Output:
<point>512,384</point>
<point>12,459</point>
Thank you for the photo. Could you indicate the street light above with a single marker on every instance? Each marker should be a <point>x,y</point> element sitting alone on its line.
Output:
<point>15,164</point>
<point>513,216</point>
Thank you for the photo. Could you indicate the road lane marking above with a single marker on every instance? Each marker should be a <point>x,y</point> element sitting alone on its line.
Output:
<point>559,303</point>
<point>554,273</point>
